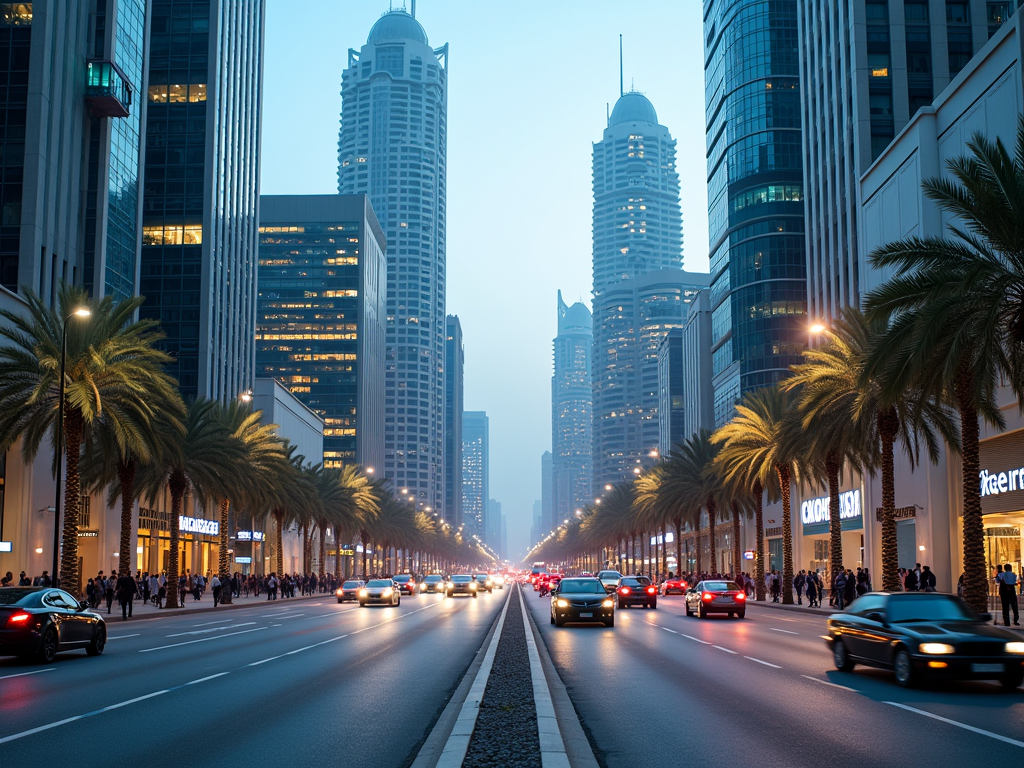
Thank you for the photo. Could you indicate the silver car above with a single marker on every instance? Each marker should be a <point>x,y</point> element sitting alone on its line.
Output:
<point>380,592</point>
<point>610,580</point>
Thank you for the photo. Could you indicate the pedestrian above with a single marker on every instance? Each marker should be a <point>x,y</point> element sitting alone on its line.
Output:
<point>839,589</point>
<point>776,587</point>
<point>910,583</point>
<point>216,587</point>
<point>125,594</point>
<point>851,587</point>
<point>812,590</point>
<point>798,583</point>
<point>927,579</point>
<point>862,581</point>
<point>1007,581</point>
<point>154,589</point>
<point>7,579</point>
<point>108,592</point>
<point>23,580</point>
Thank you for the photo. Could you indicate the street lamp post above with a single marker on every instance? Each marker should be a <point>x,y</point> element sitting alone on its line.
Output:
<point>81,312</point>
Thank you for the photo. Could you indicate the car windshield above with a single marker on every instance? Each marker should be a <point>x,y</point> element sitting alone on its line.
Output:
<point>480,576</point>
<point>15,596</point>
<point>583,586</point>
<point>609,575</point>
<point>460,579</point>
<point>379,583</point>
<point>433,579</point>
<point>350,585</point>
<point>721,586</point>
<point>401,579</point>
<point>928,607</point>
<point>631,582</point>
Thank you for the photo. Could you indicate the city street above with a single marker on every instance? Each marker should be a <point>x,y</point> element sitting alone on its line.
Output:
<point>664,689</point>
<point>306,683</point>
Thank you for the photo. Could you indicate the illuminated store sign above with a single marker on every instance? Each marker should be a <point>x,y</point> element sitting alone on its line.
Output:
<point>815,516</point>
<point>250,536</point>
<point>198,525</point>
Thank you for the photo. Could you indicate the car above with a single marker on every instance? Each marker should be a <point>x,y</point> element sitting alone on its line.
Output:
<point>921,635</point>
<point>716,596</point>
<point>486,583</point>
<point>435,582</point>
<point>349,590</point>
<point>499,580</point>
<point>406,584</point>
<point>636,590</point>
<point>40,622</point>
<point>461,584</point>
<point>380,592</point>
<point>582,600</point>
<point>610,579</point>
<point>674,586</point>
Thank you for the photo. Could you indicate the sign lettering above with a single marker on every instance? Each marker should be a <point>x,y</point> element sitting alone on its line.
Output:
<point>198,525</point>
<point>815,512</point>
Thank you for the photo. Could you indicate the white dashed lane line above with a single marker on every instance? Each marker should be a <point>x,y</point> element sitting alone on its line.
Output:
<point>202,640</point>
<point>725,649</point>
<point>971,728</point>
<point>767,664</point>
<point>25,674</point>
<point>831,685</point>
<point>788,632</point>
<point>122,637</point>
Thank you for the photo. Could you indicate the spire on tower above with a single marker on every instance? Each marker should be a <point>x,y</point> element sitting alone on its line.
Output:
<point>620,65</point>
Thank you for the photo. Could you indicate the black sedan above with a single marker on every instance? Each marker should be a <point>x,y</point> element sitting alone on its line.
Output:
<point>349,590</point>
<point>461,584</point>
<point>925,634</point>
<point>636,590</point>
<point>41,622</point>
<point>582,600</point>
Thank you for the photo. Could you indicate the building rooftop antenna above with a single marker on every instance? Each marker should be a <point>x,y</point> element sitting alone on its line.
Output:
<point>620,66</point>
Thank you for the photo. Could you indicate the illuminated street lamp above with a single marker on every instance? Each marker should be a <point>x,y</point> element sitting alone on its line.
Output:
<point>81,312</point>
<point>246,397</point>
<point>817,328</point>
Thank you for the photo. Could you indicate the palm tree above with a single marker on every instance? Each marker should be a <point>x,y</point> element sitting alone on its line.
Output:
<point>955,311</point>
<point>291,496</point>
<point>113,372</point>
<point>759,444</point>
<point>691,482</point>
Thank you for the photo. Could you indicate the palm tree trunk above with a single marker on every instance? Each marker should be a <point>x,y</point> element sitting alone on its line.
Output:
<point>176,484</point>
<point>713,535</point>
<point>736,568</point>
<point>975,577</point>
<point>364,539</point>
<point>279,539</point>
<point>835,523</point>
<point>698,554</point>
<point>323,549</point>
<point>126,477</point>
<point>787,534</point>
<point>759,555</point>
<point>888,428</point>
<point>222,559</point>
<point>69,576</point>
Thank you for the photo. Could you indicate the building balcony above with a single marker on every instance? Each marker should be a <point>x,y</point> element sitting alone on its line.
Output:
<point>107,91</point>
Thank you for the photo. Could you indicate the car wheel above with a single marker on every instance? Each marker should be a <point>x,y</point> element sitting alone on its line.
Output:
<point>340,601</point>
<point>741,614</point>
<point>840,657</point>
<point>362,604</point>
<point>99,641</point>
<point>701,613</point>
<point>559,621</point>
<point>1012,680</point>
<point>903,666</point>
<point>552,618</point>
<point>475,595</point>
<point>48,646</point>
<point>398,601</point>
<point>686,607</point>
<point>654,605</point>
<point>610,622</point>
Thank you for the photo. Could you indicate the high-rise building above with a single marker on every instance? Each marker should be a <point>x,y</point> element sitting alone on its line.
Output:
<point>392,147</point>
<point>200,215</point>
<point>571,412</point>
<point>671,409</point>
<point>320,316</point>
<point>695,353</point>
<point>865,70</point>
<point>547,491</point>
<point>492,525</point>
<point>72,112</point>
<point>638,224</point>
<point>630,320</point>
<point>454,373</point>
<point>755,195</point>
<point>475,471</point>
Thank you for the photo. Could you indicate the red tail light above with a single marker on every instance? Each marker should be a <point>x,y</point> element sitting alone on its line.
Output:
<point>651,590</point>
<point>741,596</point>
<point>18,619</point>
<point>707,596</point>
<point>624,591</point>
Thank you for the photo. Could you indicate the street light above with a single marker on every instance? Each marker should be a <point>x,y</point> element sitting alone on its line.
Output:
<point>81,312</point>
<point>817,328</point>
<point>246,397</point>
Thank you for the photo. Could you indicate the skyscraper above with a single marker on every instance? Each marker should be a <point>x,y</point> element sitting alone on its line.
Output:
<point>72,110</point>
<point>475,472</point>
<point>454,371</point>
<point>755,195</point>
<point>320,316</point>
<point>392,147</point>
<point>865,70</point>
<point>571,413</point>
<point>695,351</point>
<point>200,215</point>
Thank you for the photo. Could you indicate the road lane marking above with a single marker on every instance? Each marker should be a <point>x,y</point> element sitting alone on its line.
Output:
<point>211,629</point>
<point>826,682</point>
<point>670,630</point>
<point>202,640</point>
<point>275,625</point>
<point>696,639</point>
<point>1004,739</point>
<point>767,664</point>
<point>788,632</point>
<point>209,677</point>
<point>122,637</point>
<point>289,616</point>
<point>25,674</point>
<point>208,623</point>
<point>724,649</point>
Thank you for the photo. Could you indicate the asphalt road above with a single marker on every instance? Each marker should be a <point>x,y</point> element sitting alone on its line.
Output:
<point>309,683</point>
<point>661,689</point>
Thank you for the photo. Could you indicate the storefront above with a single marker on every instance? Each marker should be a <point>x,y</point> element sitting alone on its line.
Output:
<point>198,546</point>
<point>1002,499</point>
<point>815,530</point>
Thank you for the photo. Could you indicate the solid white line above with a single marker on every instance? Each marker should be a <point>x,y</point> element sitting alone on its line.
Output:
<point>202,640</point>
<point>776,629</point>
<point>122,637</point>
<point>211,629</point>
<point>208,623</point>
<point>773,666</point>
<point>24,674</point>
<point>1004,739</point>
<point>696,639</point>
<point>552,746</point>
<point>826,682</point>
<point>210,677</point>
<point>724,649</point>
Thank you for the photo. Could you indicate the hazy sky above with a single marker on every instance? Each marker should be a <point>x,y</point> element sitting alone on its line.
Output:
<point>529,81</point>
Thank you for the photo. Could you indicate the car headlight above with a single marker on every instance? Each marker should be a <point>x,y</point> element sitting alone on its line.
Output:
<point>562,603</point>
<point>386,592</point>
<point>339,592</point>
<point>936,648</point>
<point>423,587</point>
<point>450,585</point>
<point>1015,647</point>
<point>473,586</point>
<point>607,603</point>
<point>362,593</point>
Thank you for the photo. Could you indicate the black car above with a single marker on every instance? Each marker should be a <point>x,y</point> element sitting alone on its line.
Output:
<point>636,590</point>
<point>925,635</point>
<point>582,599</point>
<point>406,584</point>
<point>349,590</point>
<point>41,622</point>
<point>435,582</point>
<point>462,584</point>
<point>484,581</point>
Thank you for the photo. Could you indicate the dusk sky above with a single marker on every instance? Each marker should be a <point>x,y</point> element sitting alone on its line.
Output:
<point>529,81</point>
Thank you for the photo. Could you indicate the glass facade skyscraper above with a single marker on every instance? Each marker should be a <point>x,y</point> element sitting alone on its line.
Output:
<point>755,195</point>
<point>201,197</point>
<point>454,376</point>
<point>393,147</point>
<point>320,317</point>
<point>475,472</point>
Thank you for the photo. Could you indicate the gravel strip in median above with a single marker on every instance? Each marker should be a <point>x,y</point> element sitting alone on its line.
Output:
<point>506,727</point>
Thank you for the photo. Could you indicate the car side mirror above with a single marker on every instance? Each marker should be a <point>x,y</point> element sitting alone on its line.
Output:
<point>986,617</point>
<point>83,605</point>
<point>876,616</point>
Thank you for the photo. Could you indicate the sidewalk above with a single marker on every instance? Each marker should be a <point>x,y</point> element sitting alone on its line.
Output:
<point>142,610</point>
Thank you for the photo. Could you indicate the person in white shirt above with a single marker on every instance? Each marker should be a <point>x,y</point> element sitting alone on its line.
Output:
<point>1007,581</point>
